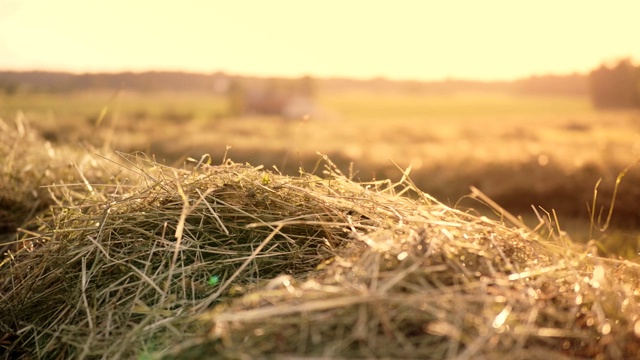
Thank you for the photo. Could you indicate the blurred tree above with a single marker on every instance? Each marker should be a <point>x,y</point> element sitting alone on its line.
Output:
<point>617,87</point>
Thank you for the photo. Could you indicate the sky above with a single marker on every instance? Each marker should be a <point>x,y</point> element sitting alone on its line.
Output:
<point>422,40</point>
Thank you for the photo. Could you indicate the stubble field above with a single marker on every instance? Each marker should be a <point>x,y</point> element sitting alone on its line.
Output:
<point>544,152</point>
<point>174,252</point>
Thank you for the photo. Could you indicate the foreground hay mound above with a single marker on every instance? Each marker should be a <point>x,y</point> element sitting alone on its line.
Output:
<point>234,261</point>
<point>35,175</point>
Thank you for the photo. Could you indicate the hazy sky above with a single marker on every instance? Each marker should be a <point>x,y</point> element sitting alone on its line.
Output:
<point>484,40</point>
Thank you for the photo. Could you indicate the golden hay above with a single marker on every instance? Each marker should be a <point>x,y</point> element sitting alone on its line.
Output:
<point>138,260</point>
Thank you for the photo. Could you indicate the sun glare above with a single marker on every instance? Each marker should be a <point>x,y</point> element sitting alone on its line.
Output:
<point>485,41</point>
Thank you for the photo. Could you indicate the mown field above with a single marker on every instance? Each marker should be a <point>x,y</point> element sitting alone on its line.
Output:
<point>521,151</point>
<point>174,252</point>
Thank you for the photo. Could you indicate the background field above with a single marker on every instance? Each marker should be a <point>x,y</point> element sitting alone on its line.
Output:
<point>520,150</point>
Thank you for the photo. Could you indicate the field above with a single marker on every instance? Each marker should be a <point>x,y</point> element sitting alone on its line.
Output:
<point>546,152</point>
<point>394,245</point>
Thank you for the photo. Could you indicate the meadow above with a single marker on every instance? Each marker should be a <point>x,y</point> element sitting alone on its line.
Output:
<point>126,231</point>
<point>522,151</point>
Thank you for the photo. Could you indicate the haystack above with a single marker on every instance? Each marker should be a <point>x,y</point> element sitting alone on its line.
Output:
<point>131,259</point>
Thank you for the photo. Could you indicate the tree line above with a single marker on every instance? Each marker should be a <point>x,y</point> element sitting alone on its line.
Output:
<point>608,86</point>
<point>617,86</point>
<point>220,83</point>
<point>48,81</point>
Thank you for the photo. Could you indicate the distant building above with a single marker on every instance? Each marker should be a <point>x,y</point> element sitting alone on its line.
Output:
<point>289,99</point>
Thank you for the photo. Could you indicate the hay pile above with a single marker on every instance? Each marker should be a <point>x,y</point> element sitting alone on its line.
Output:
<point>137,260</point>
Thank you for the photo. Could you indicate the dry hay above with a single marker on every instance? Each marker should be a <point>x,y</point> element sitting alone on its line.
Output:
<point>35,175</point>
<point>234,261</point>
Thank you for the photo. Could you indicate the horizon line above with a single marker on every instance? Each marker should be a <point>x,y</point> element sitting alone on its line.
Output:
<point>267,76</point>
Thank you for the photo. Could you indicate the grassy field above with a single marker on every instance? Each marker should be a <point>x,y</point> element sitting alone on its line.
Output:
<point>520,151</point>
<point>108,255</point>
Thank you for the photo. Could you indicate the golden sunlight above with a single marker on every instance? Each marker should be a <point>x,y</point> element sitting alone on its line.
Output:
<point>492,40</point>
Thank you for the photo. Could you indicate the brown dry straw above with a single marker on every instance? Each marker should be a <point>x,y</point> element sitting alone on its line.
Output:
<point>138,260</point>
